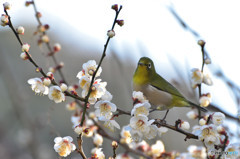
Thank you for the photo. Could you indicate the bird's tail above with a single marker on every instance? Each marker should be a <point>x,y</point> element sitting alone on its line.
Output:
<point>198,106</point>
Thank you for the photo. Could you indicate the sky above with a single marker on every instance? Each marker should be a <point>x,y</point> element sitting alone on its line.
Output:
<point>149,26</point>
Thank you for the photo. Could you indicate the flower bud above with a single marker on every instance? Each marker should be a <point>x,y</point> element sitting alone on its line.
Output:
<point>120,22</point>
<point>78,129</point>
<point>27,3</point>
<point>7,6</point>
<point>192,115</point>
<point>24,56</point>
<point>57,47</point>
<point>98,140</point>
<point>63,87</point>
<point>20,30</point>
<point>38,69</point>
<point>201,43</point>
<point>38,15</point>
<point>50,75</point>
<point>4,20</point>
<point>71,106</point>
<point>205,100</point>
<point>25,47</point>
<point>110,33</point>
<point>114,144</point>
<point>46,81</point>
<point>208,61</point>
<point>51,69</point>
<point>45,38</point>
<point>184,125</point>
<point>202,122</point>
<point>115,7</point>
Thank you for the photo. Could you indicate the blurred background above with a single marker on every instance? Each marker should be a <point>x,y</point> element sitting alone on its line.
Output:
<point>166,31</point>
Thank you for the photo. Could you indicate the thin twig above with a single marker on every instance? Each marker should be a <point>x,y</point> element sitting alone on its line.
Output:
<point>95,72</point>
<point>159,123</point>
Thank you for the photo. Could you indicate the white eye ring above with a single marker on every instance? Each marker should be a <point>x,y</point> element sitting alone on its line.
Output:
<point>149,65</point>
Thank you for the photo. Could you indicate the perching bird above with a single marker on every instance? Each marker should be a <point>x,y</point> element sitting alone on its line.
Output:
<point>160,93</point>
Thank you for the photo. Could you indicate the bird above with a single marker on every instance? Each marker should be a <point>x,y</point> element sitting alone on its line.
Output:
<point>161,94</point>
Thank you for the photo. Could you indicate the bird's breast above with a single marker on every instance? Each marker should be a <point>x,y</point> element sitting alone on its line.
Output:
<point>156,97</point>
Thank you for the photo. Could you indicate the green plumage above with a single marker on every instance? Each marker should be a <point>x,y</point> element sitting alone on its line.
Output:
<point>157,90</point>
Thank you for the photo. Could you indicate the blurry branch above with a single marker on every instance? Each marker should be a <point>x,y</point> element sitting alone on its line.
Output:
<point>234,87</point>
<point>38,69</point>
<point>17,101</point>
<point>51,52</point>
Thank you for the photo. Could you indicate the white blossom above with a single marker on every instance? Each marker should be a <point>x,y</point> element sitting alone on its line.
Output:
<point>25,47</point>
<point>38,86</point>
<point>98,90</point>
<point>7,6</point>
<point>98,153</point>
<point>196,77</point>
<point>63,87</point>
<point>204,101</point>
<point>110,33</point>
<point>209,135</point>
<point>64,146</point>
<point>162,130</point>
<point>139,97</point>
<point>141,109</point>
<point>202,122</point>
<point>136,135</point>
<point>107,96</point>
<point>20,30</point>
<point>124,156</point>
<point>157,148</point>
<point>151,132</point>
<point>110,123</point>
<point>207,80</point>
<point>140,123</point>
<point>198,152</point>
<point>218,118</point>
<point>55,94</point>
<point>4,20</point>
<point>184,125</point>
<point>78,129</point>
<point>98,140</point>
<point>104,109</point>
<point>191,115</point>
<point>89,68</point>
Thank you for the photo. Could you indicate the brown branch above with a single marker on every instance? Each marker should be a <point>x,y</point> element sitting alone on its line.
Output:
<point>224,145</point>
<point>95,72</point>
<point>80,149</point>
<point>159,123</point>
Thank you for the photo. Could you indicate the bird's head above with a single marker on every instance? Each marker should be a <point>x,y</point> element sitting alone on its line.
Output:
<point>145,69</point>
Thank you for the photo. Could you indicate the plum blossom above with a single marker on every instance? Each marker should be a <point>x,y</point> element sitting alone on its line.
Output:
<point>55,94</point>
<point>196,77</point>
<point>104,109</point>
<point>157,148</point>
<point>37,86</point>
<point>218,118</point>
<point>64,146</point>
<point>138,97</point>
<point>141,109</point>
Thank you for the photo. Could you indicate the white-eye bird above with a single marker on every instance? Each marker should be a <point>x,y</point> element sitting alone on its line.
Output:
<point>161,94</point>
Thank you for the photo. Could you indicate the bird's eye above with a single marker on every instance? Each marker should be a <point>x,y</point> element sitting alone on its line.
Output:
<point>149,65</point>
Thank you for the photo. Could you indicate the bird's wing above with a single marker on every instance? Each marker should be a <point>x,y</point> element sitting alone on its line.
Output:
<point>163,85</point>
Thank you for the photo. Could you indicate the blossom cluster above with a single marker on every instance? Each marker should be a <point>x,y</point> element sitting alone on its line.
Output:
<point>140,125</point>
<point>197,78</point>
<point>40,86</point>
